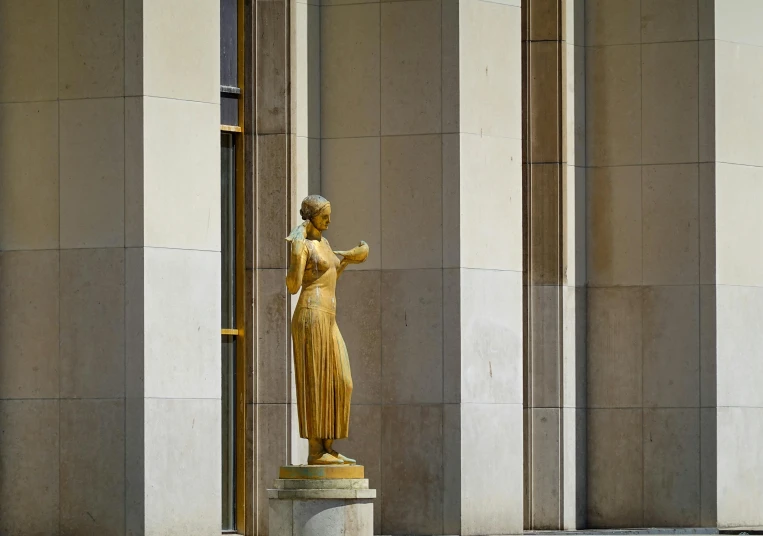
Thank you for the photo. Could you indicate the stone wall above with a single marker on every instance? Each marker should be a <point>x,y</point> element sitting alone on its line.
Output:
<point>648,235</point>
<point>109,263</point>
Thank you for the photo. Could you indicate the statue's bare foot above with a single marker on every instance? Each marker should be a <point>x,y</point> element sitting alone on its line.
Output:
<point>342,457</point>
<point>324,459</point>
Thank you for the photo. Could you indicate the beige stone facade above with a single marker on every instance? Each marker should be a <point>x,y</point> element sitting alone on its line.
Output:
<point>556,329</point>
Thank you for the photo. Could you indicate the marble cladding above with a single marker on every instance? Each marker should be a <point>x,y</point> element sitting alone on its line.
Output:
<point>651,222</point>
<point>109,237</point>
<point>407,131</point>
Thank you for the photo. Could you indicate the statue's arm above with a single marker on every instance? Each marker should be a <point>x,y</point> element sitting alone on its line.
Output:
<point>298,258</point>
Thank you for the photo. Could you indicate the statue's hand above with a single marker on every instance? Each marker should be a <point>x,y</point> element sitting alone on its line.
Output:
<point>356,255</point>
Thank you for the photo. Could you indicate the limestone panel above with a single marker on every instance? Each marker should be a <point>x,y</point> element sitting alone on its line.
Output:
<point>614,226</point>
<point>671,468</point>
<point>350,70</point>
<point>273,200</point>
<point>93,466</point>
<point>738,114</point>
<point>350,180</point>
<point>272,429</point>
<point>706,16</point>
<point>181,185</point>
<point>674,20</point>
<point>451,335</point>
<point>614,362</point>
<point>181,57</point>
<point>708,467</point>
<point>451,200</point>
<point>417,507</point>
<point>489,86</point>
<point>29,487</point>
<point>272,103</point>
<point>670,110</point>
<point>545,16</point>
<point>573,21</point>
<point>133,66</point>
<point>574,269</point>
<point>543,215</point>
<point>93,323</point>
<point>739,346</point>
<point>29,325</point>
<point>737,217</point>
<point>314,161</point>
<point>412,364</point>
<point>135,302</point>
<point>305,174</point>
<point>612,22</point>
<point>670,204</point>
<point>490,198</point>
<point>135,464</point>
<point>573,464</point>
<point>181,322</point>
<point>134,205</point>
<point>613,103</point>
<point>574,347</point>
<point>546,469</point>
<point>411,60</point>
<point>544,111</point>
<point>451,69</point>
<point>365,445</point>
<point>545,375</point>
<point>707,102</point>
<point>573,106</point>
<point>411,198</point>
<point>491,495</point>
<point>708,346</point>
<point>615,448</point>
<point>451,468</point>
<point>740,467</point>
<point>671,324</point>
<point>29,50</point>
<point>188,499</point>
<point>707,225</point>
<point>29,175</point>
<point>491,337</point>
<point>274,340</point>
<point>92,173</point>
<point>306,70</point>
<point>91,49</point>
<point>736,21</point>
<point>359,320</point>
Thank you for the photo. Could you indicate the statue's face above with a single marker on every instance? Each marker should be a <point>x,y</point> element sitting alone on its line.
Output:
<point>322,220</point>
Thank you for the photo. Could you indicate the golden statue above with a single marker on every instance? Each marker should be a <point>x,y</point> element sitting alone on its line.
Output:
<point>321,363</point>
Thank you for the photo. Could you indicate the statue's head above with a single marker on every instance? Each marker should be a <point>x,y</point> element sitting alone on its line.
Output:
<point>317,210</point>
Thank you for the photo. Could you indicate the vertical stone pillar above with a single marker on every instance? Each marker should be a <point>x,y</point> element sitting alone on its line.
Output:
<point>110,263</point>
<point>172,268</point>
<point>734,174</point>
<point>648,228</point>
<point>421,157</point>
<point>482,260</point>
<point>554,189</point>
<point>269,153</point>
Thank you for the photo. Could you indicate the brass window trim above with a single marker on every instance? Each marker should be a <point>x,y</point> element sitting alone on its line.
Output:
<point>239,332</point>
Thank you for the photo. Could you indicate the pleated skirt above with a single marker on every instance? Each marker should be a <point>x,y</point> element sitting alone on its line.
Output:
<point>322,372</point>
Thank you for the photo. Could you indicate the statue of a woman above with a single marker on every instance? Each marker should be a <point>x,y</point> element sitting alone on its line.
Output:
<point>321,363</point>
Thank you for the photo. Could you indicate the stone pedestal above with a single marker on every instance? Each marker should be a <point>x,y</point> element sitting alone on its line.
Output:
<point>311,500</point>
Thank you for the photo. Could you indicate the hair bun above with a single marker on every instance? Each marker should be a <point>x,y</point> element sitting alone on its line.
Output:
<point>312,205</point>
